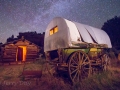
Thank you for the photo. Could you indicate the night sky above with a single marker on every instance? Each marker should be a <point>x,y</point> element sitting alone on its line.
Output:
<point>34,15</point>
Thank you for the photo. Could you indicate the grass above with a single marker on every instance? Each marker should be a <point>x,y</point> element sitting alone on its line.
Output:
<point>7,77</point>
<point>54,83</point>
<point>109,80</point>
<point>104,81</point>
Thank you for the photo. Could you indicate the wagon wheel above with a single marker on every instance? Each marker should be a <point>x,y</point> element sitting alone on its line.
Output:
<point>105,62</point>
<point>79,66</point>
<point>51,68</point>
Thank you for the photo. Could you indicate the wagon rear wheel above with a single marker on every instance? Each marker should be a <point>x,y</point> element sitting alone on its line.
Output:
<point>79,66</point>
<point>105,62</point>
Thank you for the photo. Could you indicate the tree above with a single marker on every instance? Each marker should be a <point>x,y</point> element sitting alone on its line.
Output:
<point>112,28</point>
<point>33,36</point>
<point>10,38</point>
<point>36,38</point>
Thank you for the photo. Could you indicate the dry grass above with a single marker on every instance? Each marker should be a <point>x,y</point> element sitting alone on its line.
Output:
<point>9,80</point>
<point>103,81</point>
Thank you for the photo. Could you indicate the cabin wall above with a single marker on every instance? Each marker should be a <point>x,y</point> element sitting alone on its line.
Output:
<point>9,53</point>
<point>32,52</point>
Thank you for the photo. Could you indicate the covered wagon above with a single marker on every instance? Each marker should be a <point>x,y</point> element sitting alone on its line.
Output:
<point>76,48</point>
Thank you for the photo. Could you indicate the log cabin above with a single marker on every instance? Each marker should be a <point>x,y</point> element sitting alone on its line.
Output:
<point>20,50</point>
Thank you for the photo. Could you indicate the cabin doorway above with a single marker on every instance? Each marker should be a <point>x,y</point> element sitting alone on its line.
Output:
<point>21,53</point>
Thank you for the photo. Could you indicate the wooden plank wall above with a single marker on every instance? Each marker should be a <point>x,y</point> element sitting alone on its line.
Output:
<point>9,53</point>
<point>32,52</point>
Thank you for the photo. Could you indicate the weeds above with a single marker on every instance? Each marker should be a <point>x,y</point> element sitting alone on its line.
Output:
<point>109,80</point>
<point>22,78</point>
<point>7,77</point>
<point>40,61</point>
<point>1,69</point>
<point>102,81</point>
<point>54,83</point>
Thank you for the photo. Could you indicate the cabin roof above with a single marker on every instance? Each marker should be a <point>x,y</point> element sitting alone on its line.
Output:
<point>15,41</point>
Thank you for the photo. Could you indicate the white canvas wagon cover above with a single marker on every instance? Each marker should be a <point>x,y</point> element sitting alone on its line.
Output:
<point>61,33</point>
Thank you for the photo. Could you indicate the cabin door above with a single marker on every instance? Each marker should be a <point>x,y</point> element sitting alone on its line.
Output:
<point>21,53</point>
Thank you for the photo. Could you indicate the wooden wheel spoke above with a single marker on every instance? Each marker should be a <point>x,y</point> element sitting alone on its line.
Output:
<point>74,62</point>
<point>75,75</point>
<point>85,72</point>
<point>73,66</point>
<point>73,71</point>
<point>85,59</point>
<point>79,56</point>
<point>82,56</point>
<point>51,67</point>
<point>86,68</point>
<point>78,77</point>
<point>86,63</point>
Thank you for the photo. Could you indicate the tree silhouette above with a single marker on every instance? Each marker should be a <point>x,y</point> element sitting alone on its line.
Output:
<point>34,37</point>
<point>112,28</point>
<point>10,38</point>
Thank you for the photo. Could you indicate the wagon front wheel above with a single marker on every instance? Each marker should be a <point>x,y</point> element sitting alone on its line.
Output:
<point>79,66</point>
<point>51,68</point>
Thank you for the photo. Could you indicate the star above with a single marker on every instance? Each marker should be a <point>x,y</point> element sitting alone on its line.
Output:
<point>34,15</point>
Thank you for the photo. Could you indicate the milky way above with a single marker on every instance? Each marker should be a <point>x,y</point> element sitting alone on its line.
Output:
<point>34,15</point>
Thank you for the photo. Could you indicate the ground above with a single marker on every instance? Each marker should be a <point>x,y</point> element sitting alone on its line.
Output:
<point>10,80</point>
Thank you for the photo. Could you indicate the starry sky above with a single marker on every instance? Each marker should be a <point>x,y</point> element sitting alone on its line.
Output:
<point>34,15</point>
